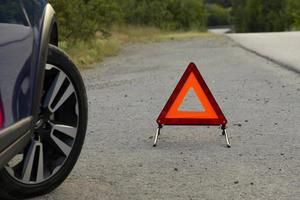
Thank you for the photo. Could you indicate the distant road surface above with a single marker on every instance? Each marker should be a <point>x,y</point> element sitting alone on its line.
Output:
<point>282,47</point>
<point>219,30</point>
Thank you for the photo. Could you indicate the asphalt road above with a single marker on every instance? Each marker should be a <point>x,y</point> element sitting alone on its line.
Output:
<point>282,47</point>
<point>126,93</point>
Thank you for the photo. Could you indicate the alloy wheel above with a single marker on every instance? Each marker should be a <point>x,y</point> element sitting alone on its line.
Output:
<point>55,131</point>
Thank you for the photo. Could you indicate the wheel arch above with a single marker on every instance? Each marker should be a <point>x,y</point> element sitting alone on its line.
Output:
<point>49,34</point>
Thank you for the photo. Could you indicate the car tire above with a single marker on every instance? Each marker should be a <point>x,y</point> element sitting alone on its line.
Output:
<point>61,130</point>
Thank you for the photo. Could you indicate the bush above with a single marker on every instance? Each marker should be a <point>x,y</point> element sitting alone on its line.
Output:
<point>260,16</point>
<point>217,15</point>
<point>146,12</point>
<point>72,19</point>
<point>167,14</point>
<point>294,13</point>
<point>224,3</point>
<point>187,14</point>
<point>81,19</point>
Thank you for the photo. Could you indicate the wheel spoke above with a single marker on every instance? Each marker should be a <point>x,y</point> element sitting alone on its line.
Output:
<point>54,88</point>
<point>66,149</point>
<point>68,130</point>
<point>28,163</point>
<point>69,91</point>
<point>40,170</point>
<point>29,160</point>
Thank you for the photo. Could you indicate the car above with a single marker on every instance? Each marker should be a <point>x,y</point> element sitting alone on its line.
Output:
<point>43,102</point>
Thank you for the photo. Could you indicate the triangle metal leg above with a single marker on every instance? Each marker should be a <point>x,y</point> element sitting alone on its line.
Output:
<point>224,132</point>
<point>156,135</point>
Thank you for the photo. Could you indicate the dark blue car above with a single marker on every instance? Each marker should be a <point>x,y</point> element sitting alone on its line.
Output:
<point>43,104</point>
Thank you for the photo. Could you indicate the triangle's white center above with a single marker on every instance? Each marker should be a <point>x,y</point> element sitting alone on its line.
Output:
<point>191,102</point>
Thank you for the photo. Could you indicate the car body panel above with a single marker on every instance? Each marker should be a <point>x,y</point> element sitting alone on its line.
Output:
<point>16,47</point>
<point>20,30</point>
<point>25,31</point>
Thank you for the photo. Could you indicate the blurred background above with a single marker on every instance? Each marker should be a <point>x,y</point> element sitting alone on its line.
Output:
<point>93,29</point>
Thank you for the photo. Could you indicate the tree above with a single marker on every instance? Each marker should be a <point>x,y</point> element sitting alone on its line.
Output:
<point>80,19</point>
<point>217,15</point>
<point>188,14</point>
<point>260,16</point>
<point>294,13</point>
<point>224,3</point>
<point>167,14</point>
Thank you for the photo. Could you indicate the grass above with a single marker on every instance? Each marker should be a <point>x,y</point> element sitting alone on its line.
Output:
<point>87,53</point>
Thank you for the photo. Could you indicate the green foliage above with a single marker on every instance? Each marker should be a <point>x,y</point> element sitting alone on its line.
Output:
<point>260,15</point>
<point>146,12</point>
<point>294,13</point>
<point>217,15</point>
<point>80,19</point>
<point>104,12</point>
<point>187,14</point>
<point>224,3</point>
<point>72,17</point>
<point>168,14</point>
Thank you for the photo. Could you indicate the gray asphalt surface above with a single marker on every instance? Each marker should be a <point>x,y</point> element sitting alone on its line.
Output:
<point>126,93</point>
<point>282,47</point>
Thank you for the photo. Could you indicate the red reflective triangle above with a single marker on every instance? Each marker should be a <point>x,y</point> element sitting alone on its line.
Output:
<point>212,114</point>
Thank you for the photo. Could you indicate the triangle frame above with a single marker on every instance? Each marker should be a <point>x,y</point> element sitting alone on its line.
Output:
<point>218,117</point>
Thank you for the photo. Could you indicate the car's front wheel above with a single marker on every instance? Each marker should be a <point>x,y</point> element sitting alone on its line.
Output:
<point>58,137</point>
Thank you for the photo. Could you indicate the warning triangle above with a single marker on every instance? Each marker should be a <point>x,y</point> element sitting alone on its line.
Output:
<point>173,114</point>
